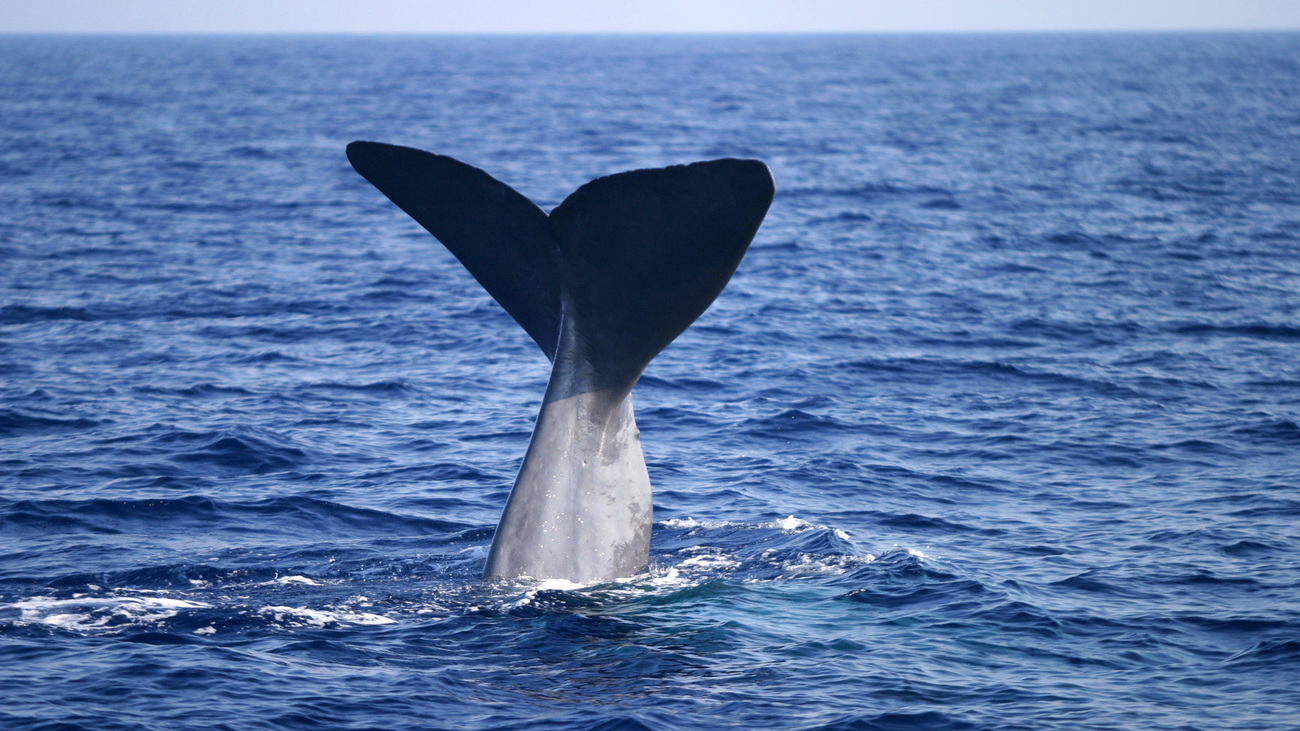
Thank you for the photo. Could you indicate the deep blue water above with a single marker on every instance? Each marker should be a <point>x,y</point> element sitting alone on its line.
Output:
<point>997,426</point>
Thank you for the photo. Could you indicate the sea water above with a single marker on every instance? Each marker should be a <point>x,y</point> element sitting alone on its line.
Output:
<point>996,427</point>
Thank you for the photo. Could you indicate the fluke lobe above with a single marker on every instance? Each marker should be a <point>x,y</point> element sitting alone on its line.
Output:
<point>602,284</point>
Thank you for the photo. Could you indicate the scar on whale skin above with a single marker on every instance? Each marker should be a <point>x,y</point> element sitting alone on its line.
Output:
<point>602,285</point>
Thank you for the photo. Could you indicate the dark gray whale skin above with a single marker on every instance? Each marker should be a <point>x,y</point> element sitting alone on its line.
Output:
<point>602,285</point>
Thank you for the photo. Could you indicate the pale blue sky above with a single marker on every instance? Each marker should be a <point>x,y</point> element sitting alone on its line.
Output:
<point>613,16</point>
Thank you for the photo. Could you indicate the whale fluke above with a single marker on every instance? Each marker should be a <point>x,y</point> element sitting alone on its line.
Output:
<point>644,253</point>
<point>602,285</point>
<point>501,237</point>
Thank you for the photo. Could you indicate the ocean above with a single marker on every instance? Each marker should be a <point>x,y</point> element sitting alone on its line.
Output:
<point>997,426</point>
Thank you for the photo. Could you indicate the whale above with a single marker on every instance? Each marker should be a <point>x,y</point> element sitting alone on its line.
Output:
<point>601,284</point>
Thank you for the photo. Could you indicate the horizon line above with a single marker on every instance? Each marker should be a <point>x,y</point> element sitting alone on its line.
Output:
<point>516,33</point>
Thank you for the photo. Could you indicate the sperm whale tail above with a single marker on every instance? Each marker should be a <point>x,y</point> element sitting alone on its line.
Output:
<point>602,285</point>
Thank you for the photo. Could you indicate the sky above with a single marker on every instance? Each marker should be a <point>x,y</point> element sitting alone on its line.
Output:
<point>638,16</point>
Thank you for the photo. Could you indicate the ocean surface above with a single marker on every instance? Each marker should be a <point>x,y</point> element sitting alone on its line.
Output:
<point>996,427</point>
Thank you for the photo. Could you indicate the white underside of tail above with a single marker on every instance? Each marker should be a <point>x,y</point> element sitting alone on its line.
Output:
<point>580,509</point>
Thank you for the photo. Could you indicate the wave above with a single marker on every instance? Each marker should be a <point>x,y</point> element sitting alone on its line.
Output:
<point>15,422</point>
<point>900,721</point>
<point>190,598</point>
<point>1272,654</point>
<point>243,450</point>
<point>869,191</point>
<point>26,314</point>
<point>1257,330</point>
<point>98,614</point>
<point>932,367</point>
<point>383,388</point>
<point>293,515</point>
<point>791,423</point>
<point>198,390</point>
